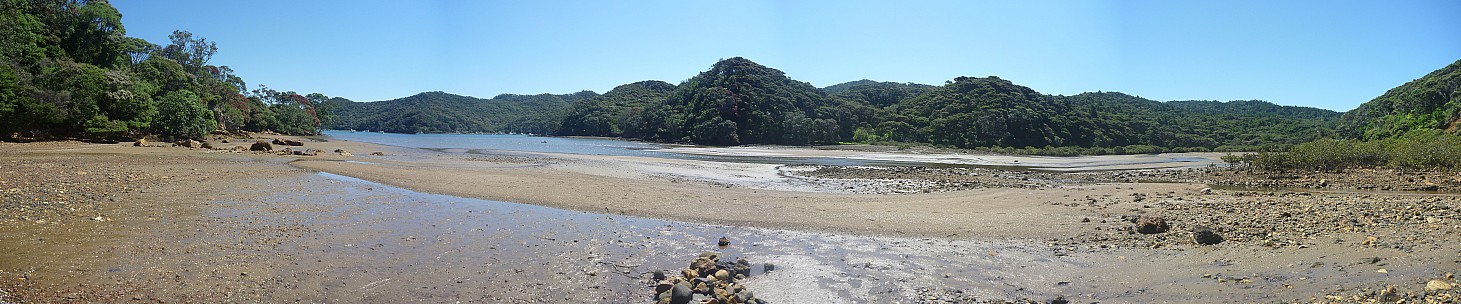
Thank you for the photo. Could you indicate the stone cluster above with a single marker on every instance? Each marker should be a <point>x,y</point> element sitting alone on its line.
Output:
<point>707,280</point>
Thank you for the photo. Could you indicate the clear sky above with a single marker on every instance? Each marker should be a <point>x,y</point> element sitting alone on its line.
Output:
<point>1327,54</point>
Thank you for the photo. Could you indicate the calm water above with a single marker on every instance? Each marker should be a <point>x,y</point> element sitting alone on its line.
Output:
<point>506,142</point>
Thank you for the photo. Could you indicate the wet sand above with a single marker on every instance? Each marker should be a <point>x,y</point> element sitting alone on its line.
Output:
<point>258,228</point>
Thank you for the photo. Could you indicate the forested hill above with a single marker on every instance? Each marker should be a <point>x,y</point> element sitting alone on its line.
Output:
<point>1432,102</point>
<point>738,101</point>
<point>439,112</point>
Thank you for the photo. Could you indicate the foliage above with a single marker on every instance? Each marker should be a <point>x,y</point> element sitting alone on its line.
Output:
<point>439,112</point>
<point>1430,102</point>
<point>67,68</point>
<point>612,113</point>
<point>182,114</point>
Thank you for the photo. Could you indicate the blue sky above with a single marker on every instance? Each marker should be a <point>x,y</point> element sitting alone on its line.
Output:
<point>1326,54</point>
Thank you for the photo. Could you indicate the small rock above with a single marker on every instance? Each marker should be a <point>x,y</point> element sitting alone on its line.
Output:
<point>1435,285</point>
<point>745,296</point>
<point>723,242</point>
<point>1151,225</point>
<point>1206,190</point>
<point>377,153</point>
<point>722,275</point>
<point>659,275</point>
<point>140,142</point>
<point>1206,236</point>
<point>768,267</point>
<point>207,145</point>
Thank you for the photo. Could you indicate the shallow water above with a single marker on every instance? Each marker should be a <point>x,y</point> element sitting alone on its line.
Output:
<point>419,239</point>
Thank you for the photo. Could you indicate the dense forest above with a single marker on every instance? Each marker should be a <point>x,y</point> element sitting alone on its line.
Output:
<point>1430,102</point>
<point>739,101</point>
<point>67,69</point>
<point>439,112</point>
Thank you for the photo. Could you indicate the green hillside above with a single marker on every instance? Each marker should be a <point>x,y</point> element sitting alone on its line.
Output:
<point>1430,102</point>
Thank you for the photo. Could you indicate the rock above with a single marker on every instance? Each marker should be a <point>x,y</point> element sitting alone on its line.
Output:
<point>239,149</point>
<point>287,142</point>
<point>1151,225</point>
<point>140,142</point>
<point>768,267</point>
<point>342,152</point>
<point>663,286</point>
<point>724,242</point>
<point>722,275</point>
<point>1206,236</point>
<point>208,146</point>
<point>681,294</point>
<point>189,143</point>
<point>690,273</point>
<point>659,275</point>
<point>1059,300</point>
<point>741,268</point>
<point>1206,191</point>
<point>377,153</point>
<point>305,152</point>
<point>1437,285</point>
<point>225,140</point>
<point>744,296</point>
<point>261,146</point>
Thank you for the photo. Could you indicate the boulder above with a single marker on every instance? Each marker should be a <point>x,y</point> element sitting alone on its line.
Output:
<point>261,146</point>
<point>1206,236</point>
<point>1151,225</point>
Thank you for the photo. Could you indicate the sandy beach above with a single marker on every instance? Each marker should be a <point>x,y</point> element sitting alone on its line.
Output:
<point>119,223</point>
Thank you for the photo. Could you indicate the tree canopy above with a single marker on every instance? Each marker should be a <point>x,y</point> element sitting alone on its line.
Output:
<point>67,68</point>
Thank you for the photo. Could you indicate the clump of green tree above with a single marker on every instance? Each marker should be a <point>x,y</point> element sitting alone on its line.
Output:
<point>440,112</point>
<point>1430,102</point>
<point>68,69</point>
<point>1415,150</point>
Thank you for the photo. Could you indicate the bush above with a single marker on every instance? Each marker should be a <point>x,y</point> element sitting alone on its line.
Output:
<point>1419,150</point>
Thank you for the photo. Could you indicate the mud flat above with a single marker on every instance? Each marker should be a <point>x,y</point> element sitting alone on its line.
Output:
<point>155,224</point>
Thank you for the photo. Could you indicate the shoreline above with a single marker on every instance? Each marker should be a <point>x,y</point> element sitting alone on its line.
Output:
<point>239,223</point>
